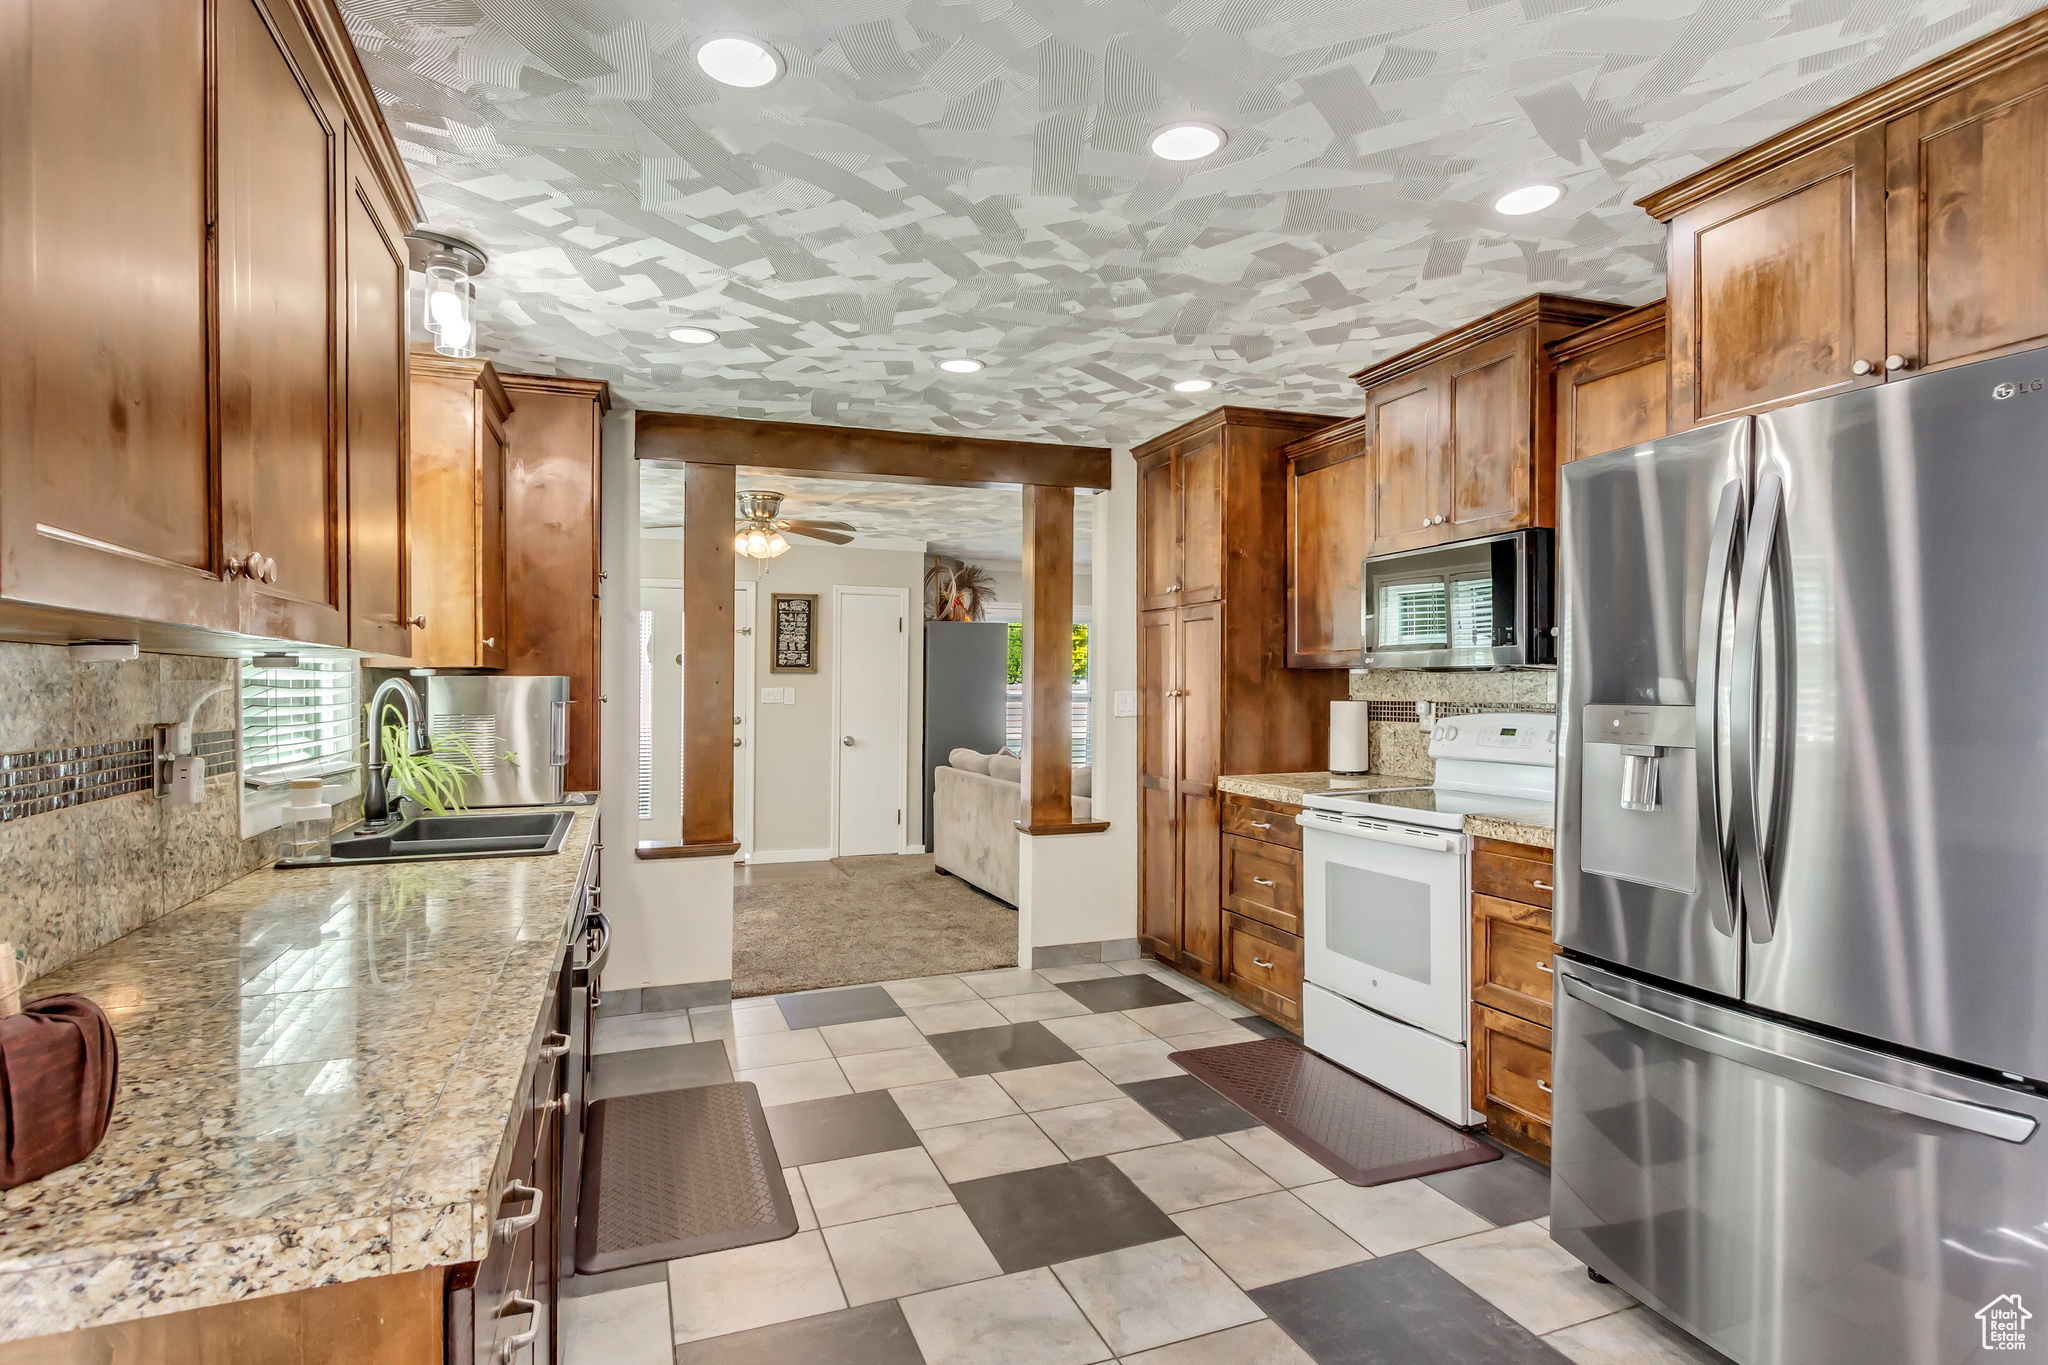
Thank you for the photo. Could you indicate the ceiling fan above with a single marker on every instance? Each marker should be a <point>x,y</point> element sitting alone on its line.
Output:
<point>758,531</point>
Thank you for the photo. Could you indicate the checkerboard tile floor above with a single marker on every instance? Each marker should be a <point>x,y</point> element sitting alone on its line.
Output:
<point>1003,1169</point>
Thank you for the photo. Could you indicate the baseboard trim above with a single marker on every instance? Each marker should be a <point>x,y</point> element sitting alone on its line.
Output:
<point>689,995</point>
<point>790,855</point>
<point>910,850</point>
<point>1080,954</point>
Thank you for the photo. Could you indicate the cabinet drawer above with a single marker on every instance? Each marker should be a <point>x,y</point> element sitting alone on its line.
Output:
<point>1264,965</point>
<point>1515,879</point>
<point>1511,963</point>
<point>1516,1063</point>
<point>1262,881</point>
<point>1256,822</point>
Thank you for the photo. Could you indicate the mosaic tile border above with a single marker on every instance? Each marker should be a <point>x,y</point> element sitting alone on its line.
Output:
<point>38,781</point>
<point>1403,712</point>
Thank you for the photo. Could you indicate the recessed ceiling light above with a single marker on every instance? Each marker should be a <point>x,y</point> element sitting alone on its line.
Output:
<point>1528,199</point>
<point>1186,141</point>
<point>739,61</point>
<point>1194,386</point>
<point>693,336</point>
<point>959,366</point>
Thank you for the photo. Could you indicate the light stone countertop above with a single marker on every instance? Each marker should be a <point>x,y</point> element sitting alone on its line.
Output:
<point>317,1068</point>
<point>1292,788</point>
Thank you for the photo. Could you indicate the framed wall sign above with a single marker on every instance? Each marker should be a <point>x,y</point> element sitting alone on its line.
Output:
<point>796,633</point>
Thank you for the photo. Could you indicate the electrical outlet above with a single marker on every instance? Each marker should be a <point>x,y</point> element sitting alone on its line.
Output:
<point>1124,703</point>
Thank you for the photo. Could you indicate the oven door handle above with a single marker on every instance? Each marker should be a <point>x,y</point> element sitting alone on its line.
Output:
<point>1380,834</point>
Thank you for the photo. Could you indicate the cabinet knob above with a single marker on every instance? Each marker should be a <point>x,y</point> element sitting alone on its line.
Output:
<point>1862,367</point>
<point>1439,520</point>
<point>1425,522</point>
<point>418,623</point>
<point>1897,362</point>
<point>490,642</point>
<point>1174,588</point>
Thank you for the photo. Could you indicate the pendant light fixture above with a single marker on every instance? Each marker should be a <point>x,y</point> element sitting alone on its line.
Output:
<point>450,265</point>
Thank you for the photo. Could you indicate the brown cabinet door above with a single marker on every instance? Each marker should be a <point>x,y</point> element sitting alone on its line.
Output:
<point>106,469</point>
<point>374,427</point>
<point>1613,395</point>
<point>1201,886</point>
<point>1968,222</point>
<point>1200,478</point>
<point>1404,423</point>
<point>1486,459</point>
<point>1158,533</point>
<point>1329,532</point>
<point>490,526</point>
<point>1777,286</point>
<point>1199,679</point>
<point>278,162</point>
<point>1158,786</point>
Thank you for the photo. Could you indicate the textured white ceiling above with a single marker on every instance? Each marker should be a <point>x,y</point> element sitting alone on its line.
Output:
<point>976,524</point>
<point>945,177</point>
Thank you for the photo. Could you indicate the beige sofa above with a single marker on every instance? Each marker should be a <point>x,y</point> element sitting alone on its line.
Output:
<point>974,818</point>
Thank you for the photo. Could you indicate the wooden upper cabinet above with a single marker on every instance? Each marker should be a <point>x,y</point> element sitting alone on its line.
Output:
<point>1200,473</point>
<point>1609,384</point>
<point>1903,230</point>
<point>1461,427</point>
<point>1329,529</point>
<point>1158,532</point>
<point>457,511</point>
<point>375,424</point>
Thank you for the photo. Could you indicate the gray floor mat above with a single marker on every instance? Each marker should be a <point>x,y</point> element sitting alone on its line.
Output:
<point>678,1173</point>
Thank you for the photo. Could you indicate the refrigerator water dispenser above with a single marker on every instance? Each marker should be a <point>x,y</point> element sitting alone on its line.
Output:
<point>1639,795</point>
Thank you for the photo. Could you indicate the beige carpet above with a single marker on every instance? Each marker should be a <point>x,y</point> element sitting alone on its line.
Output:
<point>875,919</point>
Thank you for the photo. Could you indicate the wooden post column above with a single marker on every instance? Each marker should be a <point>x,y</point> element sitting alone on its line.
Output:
<point>1049,664</point>
<point>708,491</point>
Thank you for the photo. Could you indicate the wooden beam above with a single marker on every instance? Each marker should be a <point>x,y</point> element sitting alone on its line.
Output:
<point>707,653</point>
<point>908,456</point>
<point>1049,663</point>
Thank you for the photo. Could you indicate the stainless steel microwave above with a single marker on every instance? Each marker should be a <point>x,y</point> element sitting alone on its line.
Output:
<point>1485,603</point>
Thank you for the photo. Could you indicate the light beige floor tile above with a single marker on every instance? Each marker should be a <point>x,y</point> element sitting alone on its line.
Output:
<point>754,1002</point>
<point>1022,1009</point>
<point>618,1327</point>
<point>1223,1005</point>
<point>746,1287</point>
<point>1255,1343</point>
<point>1128,1062</point>
<point>1278,1157</point>
<point>1118,1125</point>
<point>1136,966</point>
<point>929,990</point>
<point>940,1104</point>
<point>1080,971</point>
<point>712,1025</point>
<point>1021,1319</point>
<point>1007,981</point>
<point>875,1186</point>
<point>954,1016</point>
<point>750,1023</point>
<point>806,1216</point>
<point>1532,1279</point>
<point>1636,1336</point>
<point>1268,1238</point>
<point>797,1082</point>
<point>1221,1037</point>
<point>1149,1295</point>
<point>780,1049</point>
<point>908,1253</point>
<point>1096,1030</point>
<point>969,1151</point>
<point>899,1066</point>
<point>1167,1021</point>
<point>870,1035</point>
<point>1385,1219</point>
<point>1056,1086</point>
<point>1187,1175</point>
<point>630,1032</point>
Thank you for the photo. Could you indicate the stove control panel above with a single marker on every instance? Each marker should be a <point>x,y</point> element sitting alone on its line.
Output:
<point>1498,737</point>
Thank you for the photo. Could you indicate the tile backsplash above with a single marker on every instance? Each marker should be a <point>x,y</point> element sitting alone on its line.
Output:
<point>1400,747</point>
<point>90,852</point>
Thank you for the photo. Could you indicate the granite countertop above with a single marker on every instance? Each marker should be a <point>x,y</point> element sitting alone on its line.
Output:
<point>1292,788</point>
<point>317,1068</point>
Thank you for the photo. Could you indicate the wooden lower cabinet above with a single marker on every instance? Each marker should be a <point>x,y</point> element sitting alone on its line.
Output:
<point>1264,968</point>
<point>1512,993</point>
<point>1260,872</point>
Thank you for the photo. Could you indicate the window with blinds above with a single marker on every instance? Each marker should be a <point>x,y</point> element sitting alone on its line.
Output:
<point>298,722</point>
<point>646,716</point>
<point>1411,613</point>
<point>1472,612</point>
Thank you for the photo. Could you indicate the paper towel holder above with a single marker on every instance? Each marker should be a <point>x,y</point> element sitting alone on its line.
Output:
<point>1350,737</point>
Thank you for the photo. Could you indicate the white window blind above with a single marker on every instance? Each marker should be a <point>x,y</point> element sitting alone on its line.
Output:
<point>646,716</point>
<point>298,722</point>
<point>1013,721</point>
<point>1472,612</point>
<point>1411,613</point>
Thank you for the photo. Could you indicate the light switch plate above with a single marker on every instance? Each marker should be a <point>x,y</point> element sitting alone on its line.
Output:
<point>771,696</point>
<point>1124,703</point>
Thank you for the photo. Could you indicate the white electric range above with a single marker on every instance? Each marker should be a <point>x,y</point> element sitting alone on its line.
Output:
<point>1386,912</point>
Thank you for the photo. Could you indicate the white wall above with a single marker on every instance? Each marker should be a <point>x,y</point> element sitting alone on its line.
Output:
<point>793,743</point>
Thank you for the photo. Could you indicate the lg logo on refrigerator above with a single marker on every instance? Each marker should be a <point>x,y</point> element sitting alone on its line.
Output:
<point>2009,388</point>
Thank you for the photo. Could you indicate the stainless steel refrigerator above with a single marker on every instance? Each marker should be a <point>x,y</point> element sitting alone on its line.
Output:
<point>518,728</point>
<point>1802,873</point>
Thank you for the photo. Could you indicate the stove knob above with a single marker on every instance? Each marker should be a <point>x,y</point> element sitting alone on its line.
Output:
<point>1451,733</point>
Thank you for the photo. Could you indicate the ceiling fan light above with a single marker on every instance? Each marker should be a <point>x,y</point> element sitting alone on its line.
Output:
<point>960,366</point>
<point>1187,141</point>
<point>1528,199</point>
<point>737,61</point>
<point>757,544</point>
<point>739,542</point>
<point>776,544</point>
<point>1194,386</point>
<point>693,336</point>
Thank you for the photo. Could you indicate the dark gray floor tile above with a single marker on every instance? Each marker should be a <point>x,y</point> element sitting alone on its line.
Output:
<point>1004,1047</point>
<point>1398,1310</point>
<point>1123,993</point>
<point>1265,1028</point>
<point>1511,1190</point>
<point>644,1070</point>
<point>1189,1107</point>
<point>850,1005</point>
<point>1058,1213</point>
<point>875,1334</point>
<point>633,1276</point>
<point>838,1126</point>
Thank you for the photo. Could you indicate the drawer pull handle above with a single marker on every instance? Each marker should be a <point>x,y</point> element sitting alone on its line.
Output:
<point>553,1046</point>
<point>508,1228</point>
<point>1261,962</point>
<point>1546,969</point>
<point>511,1346</point>
<point>1262,881</point>
<point>1256,824</point>
<point>1544,1086</point>
<point>1540,885</point>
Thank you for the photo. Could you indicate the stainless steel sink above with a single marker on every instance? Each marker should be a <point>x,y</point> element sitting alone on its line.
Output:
<point>438,838</point>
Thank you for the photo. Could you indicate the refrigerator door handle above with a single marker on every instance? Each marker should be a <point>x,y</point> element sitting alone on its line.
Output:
<point>1765,545</point>
<point>1723,553</point>
<point>1975,1118</point>
<point>558,734</point>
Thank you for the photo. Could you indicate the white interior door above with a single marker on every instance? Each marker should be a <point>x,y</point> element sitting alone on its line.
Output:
<point>660,774</point>
<point>743,718</point>
<point>870,711</point>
